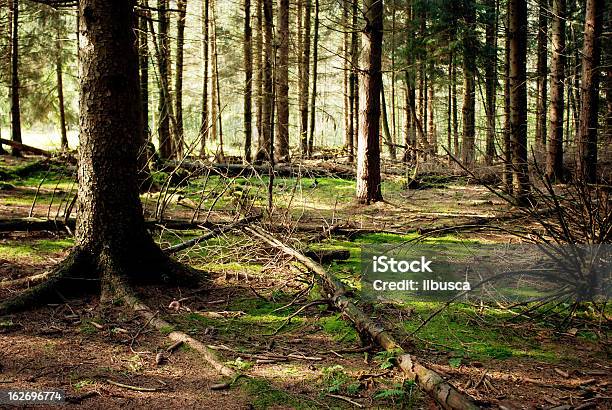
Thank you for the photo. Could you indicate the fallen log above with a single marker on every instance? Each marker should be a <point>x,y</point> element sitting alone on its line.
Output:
<point>280,170</point>
<point>26,148</point>
<point>428,380</point>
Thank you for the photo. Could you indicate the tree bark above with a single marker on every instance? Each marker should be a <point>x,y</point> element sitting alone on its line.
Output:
<point>353,86</point>
<point>315,58</point>
<point>389,142</point>
<point>368,148</point>
<point>554,157</point>
<point>507,127</point>
<point>143,63</point>
<point>248,81</point>
<point>204,125</point>
<point>433,137</point>
<point>469,86</point>
<point>217,112</point>
<point>15,83</point>
<point>304,11</point>
<point>542,78</point>
<point>455,113</point>
<point>282,78</point>
<point>490,79</point>
<point>259,69</point>
<point>517,10</point>
<point>179,138</point>
<point>263,150</point>
<point>586,166</point>
<point>163,123</point>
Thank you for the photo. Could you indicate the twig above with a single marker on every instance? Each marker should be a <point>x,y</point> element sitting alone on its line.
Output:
<point>135,388</point>
<point>346,399</point>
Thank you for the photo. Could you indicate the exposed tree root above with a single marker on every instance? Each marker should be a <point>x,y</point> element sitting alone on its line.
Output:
<point>146,313</point>
<point>27,281</point>
<point>430,381</point>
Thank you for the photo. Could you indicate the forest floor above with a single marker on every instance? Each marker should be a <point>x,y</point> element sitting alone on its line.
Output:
<point>314,360</point>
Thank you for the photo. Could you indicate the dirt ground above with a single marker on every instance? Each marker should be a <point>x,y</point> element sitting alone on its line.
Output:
<point>76,346</point>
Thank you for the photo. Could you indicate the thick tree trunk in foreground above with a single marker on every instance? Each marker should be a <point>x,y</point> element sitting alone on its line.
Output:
<point>282,75</point>
<point>554,155</point>
<point>248,81</point>
<point>517,10</point>
<point>490,79</point>
<point>586,166</point>
<point>15,104</point>
<point>143,52</point>
<point>368,151</point>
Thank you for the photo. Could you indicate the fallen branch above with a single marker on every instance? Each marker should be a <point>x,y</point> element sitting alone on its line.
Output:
<point>26,148</point>
<point>29,280</point>
<point>346,399</point>
<point>430,381</point>
<point>214,232</point>
<point>130,387</point>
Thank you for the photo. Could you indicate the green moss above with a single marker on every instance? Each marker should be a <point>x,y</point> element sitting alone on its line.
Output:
<point>338,328</point>
<point>264,396</point>
<point>166,330</point>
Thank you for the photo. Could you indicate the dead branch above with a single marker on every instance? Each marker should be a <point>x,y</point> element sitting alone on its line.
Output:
<point>430,381</point>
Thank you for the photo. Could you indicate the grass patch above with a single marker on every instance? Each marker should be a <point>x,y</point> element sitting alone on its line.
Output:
<point>338,328</point>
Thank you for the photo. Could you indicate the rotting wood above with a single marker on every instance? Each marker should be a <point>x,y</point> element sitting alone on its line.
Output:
<point>428,380</point>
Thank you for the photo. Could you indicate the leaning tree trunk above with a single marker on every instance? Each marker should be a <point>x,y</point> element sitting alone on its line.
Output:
<point>586,166</point>
<point>554,155</point>
<point>204,124</point>
<point>368,148</point>
<point>282,91</point>
<point>542,78</point>
<point>517,10</point>
<point>15,87</point>
<point>248,81</point>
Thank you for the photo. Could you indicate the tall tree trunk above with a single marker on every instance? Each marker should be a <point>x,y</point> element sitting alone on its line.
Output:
<point>248,81</point>
<point>179,138</point>
<point>217,112</point>
<point>204,124</point>
<point>263,150</point>
<point>163,123</point>
<point>315,58</point>
<point>449,114</point>
<point>282,90</point>
<point>304,71</point>
<point>517,10</point>
<point>110,222</point>
<point>542,78</point>
<point>15,87</point>
<point>507,113</point>
<point>490,79</point>
<point>212,46</point>
<point>143,63</point>
<point>389,142</point>
<point>554,157</point>
<point>353,89</point>
<point>345,72</point>
<point>368,148</point>
<point>586,166</point>
<point>259,79</point>
<point>469,86</point>
<point>60,85</point>
<point>456,149</point>
<point>393,124</point>
<point>433,138</point>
